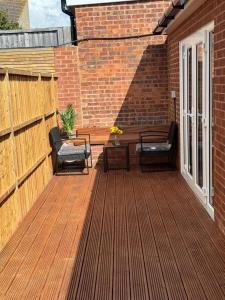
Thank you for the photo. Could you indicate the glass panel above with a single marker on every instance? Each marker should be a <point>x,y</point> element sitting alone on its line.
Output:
<point>199,116</point>
<point>184,108</point>
<point>189,108</point>
<point>190,164</point>
<point>211,40</point>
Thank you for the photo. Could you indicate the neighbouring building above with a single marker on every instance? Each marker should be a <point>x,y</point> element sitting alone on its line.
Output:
<point>17,10</point>
<point>129,82</point>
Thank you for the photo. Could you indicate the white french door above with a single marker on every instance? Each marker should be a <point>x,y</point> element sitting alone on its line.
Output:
<point>196,65</point>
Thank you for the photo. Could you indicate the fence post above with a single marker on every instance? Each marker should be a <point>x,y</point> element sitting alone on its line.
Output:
<point>12,134</point>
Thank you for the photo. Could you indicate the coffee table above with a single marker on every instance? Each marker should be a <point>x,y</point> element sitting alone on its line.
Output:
<point>113,148</point>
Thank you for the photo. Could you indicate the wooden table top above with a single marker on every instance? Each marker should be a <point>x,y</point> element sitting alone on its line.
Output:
<point>102,136</point>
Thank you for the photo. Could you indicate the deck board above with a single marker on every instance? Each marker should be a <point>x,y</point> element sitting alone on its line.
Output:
<point>188,274</point>
<point>156,284</point>
<point>116,235</point>
<point>184,222</point>
<point>121,280</point>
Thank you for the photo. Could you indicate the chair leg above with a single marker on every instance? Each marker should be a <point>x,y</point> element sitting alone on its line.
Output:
<point>56,167</point>
<point>91,160</point>
<point>86,165</point>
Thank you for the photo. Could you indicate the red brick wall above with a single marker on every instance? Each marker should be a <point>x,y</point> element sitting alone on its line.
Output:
<point>123,82</point>
<point>67,69</point>
<point>211,10</point>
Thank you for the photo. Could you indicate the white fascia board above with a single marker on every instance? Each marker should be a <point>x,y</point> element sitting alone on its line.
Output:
<point>184,14</point>
<point>91,2</point>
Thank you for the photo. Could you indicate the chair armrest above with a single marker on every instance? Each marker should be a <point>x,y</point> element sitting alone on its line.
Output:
<point>74,139</point>
<point>85,134</point>
<point>153,132</point>
<point>142,141</point>
<point>149,134</point>
<point>71,139</point>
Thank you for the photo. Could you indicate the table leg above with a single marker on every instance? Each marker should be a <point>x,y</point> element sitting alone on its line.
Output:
<point>105,160</point>
<point>128,159</point>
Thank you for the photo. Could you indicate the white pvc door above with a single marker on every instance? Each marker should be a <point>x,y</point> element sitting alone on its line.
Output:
<point>196,114</point>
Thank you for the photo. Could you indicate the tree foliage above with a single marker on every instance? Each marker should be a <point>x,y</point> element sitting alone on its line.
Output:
<point>5,23</point>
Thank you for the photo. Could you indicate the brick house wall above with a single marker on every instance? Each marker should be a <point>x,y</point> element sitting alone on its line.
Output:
<point>17,11</point>
<point>67,69</point>
<point>122,82</point>
<point>211,10</point>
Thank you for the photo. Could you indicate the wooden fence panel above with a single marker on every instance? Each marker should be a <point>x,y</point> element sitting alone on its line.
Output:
<point>50,123</point>
<point>46,94</point>
<point>7,173</point>
<point>25,103</point>
<point>4,105</point>
<point>28,112</point>
<point>33,60</point>
<point>33,38</point>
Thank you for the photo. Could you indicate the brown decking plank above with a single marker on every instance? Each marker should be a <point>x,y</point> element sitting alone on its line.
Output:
<point>189,277</point>
<point>121,279</point>
<point>55,277</point>
<point>86,288</point>
<point>138,281</point>
<point>75,267</point>
<point>9,272</point>
<point>154,274</point>
<point>173,281</point>
<point>36,251</point>
<point>87,278</point>
<point>104,279</point>
<point>223,289</point>
<point>215,234</point>
<point>181,215</point>
<point>82,215</point>
<point>215,262</point>
<point>43,265</point>
<point>13,243</point>
<point>121,243</point>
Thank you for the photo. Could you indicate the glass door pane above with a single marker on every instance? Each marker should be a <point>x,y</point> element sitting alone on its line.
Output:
<point>199,115</point>
<point>211,115</point>
<point>189,112</point>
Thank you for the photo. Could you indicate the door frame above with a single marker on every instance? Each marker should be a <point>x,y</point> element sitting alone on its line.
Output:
<point>201,35</point>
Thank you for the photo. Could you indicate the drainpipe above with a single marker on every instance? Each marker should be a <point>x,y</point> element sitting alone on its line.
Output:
<point>68,12</point>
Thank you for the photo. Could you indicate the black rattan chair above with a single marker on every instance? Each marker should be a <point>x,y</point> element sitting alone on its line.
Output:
<point>166,148</point>
<point>71,152</point>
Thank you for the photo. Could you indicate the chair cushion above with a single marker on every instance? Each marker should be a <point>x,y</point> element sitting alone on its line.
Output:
<point>69,152</point>
<point>153,147</point>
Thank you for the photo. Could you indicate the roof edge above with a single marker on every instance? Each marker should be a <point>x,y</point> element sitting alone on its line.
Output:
<point>190,8</point>
<point>76,3</point>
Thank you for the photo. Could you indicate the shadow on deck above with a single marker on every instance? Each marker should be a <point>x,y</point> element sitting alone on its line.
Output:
<point>120,235</point>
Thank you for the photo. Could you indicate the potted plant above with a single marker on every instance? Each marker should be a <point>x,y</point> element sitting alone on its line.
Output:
<point>68,118</point>
<point>116,131</point>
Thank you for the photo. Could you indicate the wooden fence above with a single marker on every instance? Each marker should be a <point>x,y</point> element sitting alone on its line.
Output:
<point>27,112</point>
<point>32,60</point>
<point>43,37</point>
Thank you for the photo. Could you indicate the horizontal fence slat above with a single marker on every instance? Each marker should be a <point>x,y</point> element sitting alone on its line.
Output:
<point>25,124</point>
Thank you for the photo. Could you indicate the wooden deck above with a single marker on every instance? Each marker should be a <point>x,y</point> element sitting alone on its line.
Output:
<point>115,236</point>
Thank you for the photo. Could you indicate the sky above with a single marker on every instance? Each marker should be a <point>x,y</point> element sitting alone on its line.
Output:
<point>47,13</point>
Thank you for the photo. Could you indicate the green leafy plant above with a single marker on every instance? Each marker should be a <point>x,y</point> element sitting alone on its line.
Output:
<point>5,23</point>
<point>68,118</point>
